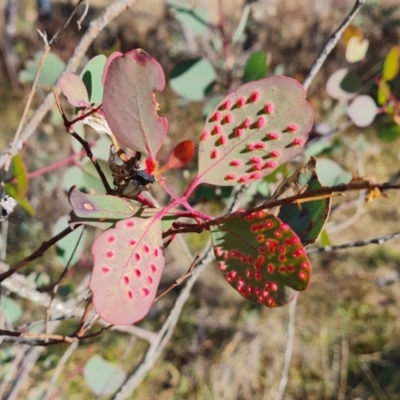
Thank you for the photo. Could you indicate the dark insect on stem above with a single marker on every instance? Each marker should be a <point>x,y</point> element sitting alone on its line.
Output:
<point>129,179</point>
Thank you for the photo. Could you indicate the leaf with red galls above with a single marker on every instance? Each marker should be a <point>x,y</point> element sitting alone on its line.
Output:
<point>128,263</point>
<point>129,103</point>
<point>268,119</point>
<point>261,258</point>
<point>74,90</point>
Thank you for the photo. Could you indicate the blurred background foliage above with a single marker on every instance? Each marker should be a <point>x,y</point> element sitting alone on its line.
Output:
<point>347,326</point>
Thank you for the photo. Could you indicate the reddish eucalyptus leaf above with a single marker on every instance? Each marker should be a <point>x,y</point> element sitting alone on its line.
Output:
<point>129,102</point>
<point>181,155</point>
<point>261,258</point>
<point>74,90</point>
<point>253,131</point>
<point>128,263</point>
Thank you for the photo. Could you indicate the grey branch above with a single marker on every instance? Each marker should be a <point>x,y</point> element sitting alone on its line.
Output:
<point>331,44</point>
<point>359,243</point>
<point>95,27</point>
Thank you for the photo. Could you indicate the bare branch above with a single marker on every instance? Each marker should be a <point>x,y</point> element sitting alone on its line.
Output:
<point>95,27</point>
<point>359,243</point>
<point>289,350</point>
<point>331,44</point>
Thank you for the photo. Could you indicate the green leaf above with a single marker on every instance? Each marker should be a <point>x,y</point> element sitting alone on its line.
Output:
<point>102,377</point>
<point>307,219</point>
<point>92,78</point>
<point>383,92</point>
<point>191,79</point>
<point>12,311</point>
<point>389,133</point>
<point>103,211</point>
<point>21,175</point>
<point>256,67</point>
<point>52,68</point>
<point>331,173</point>
<point>85,177</point>
<point>351,83</point>
<point>195,19</point>
<point>261,258</point>
<point>391,64</point>
<point>66,246</point>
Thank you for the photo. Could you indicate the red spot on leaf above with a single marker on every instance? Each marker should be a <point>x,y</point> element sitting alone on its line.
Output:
<point>130,294</point>
<point>269,108</point>
<point>305,265</point>
<point>130,224</point>
<point>149,279</point>
<point>270,268</point>
<point>222,140</point>
<point>282,268</point>
<point>145,292</point>
<point>230,177</point>
<point>228,118</point>
<point>110,254</point>
<point>126,280</point>
<point>255,96</point>
<point>222,266</point>
<point>268,225</point>
<point>235,163</point>
<point>138,272</point>
<point>270,164</point>
<point>153,268</point>
<point>273,136</point>
<point>302,276</point>
<point>260,238</point>
<point>131,242</point>
<point>136,257</point>
<point>292,128</point>
<point>261,122</point>
<point>204,136</point>
<point>297,142</point>
<point>217,129</point>
<point>227,105</point>
<point>290,267</point>
<point>240,102</point>
<point>105,270</point>
<point>111,239</point>
<point>255,175</point>
<point>246,123</point>
<point>216,116</point>
<point>214,154</point>
<point>156,252</point>
<point>249,273</point>
<point>239,132</point>
<point>274,153</point>
<point>259,146</point>
<point>244,179</point>
<point>146,248</point>
<point>255,160</point>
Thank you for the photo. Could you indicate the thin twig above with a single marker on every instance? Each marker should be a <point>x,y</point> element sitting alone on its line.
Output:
<point>95,27</point>
<point>358,243</point>
<point>301,197</point>
<point>47,47</point>
<point>67,354</point>
<point>57,284</point>
<point>331,44</point>
<point>289,350</point>
<point>36,254</point>
<point>179,280</point>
